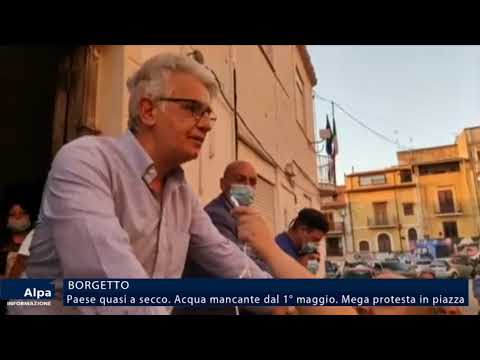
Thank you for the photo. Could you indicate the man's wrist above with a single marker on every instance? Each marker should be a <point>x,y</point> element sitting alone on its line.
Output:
<point>269,253</point>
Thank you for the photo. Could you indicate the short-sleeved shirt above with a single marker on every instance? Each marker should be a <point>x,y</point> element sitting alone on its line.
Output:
<point>286,244</point>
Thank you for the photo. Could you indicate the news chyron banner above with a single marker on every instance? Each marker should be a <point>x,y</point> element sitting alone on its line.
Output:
<point>242,292</point>
<point>27,292</point>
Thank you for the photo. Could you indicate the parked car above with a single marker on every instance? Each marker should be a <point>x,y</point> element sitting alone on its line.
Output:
<point>443,269</point>
<point>422,264</point>
<point>357,269</point>
<point>332,270</point>
<point>396,266</point>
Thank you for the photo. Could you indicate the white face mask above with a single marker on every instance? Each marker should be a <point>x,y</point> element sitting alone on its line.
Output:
<point>18,225</point>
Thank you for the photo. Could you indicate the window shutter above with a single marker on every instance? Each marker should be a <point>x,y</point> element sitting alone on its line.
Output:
<point>265,200</point>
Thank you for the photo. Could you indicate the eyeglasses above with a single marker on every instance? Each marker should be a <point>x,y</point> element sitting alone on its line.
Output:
<point>198,109</point>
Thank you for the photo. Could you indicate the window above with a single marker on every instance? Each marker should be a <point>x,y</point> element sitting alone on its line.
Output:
<point>265,200</point>
<point>331,224</point>
<point>364,246</point>
<point>380,211</point>
<point>405,176</point>
<point>412,234</point>
<point>334,247</point>
<point>408,209</point>
<point>373,180</point>
<point>439,168</point>
<point>300,98</point>
<point>450,229</point>
<point>445,201</point>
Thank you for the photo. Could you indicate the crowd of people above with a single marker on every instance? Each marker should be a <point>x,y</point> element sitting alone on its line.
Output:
<point>122,208</point>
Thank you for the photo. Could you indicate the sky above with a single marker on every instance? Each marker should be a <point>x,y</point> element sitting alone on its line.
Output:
<point>420,96</point>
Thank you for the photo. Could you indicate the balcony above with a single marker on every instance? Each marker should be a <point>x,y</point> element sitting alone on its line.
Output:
<point>336,227</point>
<point>381,223</point>
<point>450,210</point>
<point>325,172</point>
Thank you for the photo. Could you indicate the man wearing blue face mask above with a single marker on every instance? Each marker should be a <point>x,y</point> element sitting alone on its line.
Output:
<point>239,181</point>
<point>303,237</point>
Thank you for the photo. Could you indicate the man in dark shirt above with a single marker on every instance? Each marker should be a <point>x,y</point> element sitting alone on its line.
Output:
<point>242,176</point>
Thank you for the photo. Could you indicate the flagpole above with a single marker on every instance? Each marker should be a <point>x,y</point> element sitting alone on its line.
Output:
<point>334,154</point>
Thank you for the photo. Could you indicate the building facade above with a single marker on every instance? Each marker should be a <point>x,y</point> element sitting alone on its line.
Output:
<point>431,194</point>
<point>275,121</point>
<point>85,89</point>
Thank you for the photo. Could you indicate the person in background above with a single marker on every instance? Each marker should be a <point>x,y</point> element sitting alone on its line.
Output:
<point>18,226</point>
<point>19,265</point>
<point>281,264</point>
<point>239,180</point>
<point>285,266</point>
<point>302,239</point>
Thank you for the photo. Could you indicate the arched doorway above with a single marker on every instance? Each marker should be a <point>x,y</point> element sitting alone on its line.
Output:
<point>384,243</point>
<point>364,246</point>
<point>412,238</point>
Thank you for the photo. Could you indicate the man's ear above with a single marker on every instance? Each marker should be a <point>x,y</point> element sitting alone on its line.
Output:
<point>222,184</point>
<point>147,112</point>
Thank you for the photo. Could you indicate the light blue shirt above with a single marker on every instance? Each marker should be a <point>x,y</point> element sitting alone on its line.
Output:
<point>99,219</point>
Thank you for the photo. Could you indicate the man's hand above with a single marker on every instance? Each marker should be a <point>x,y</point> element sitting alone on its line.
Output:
<point>254,230</point>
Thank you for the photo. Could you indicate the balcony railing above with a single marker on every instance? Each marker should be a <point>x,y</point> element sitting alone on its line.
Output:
<point>450,210</point>
<point>335,227</point>
<point>325,170</point>
<point>384,222</point>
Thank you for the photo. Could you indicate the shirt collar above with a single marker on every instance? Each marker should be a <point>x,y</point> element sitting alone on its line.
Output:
<point>142,163</point>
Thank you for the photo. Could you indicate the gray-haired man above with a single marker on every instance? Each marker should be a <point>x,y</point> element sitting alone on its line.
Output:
<point>121,208</point>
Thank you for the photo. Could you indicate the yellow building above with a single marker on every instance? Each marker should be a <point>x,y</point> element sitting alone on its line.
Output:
<point>381,205</point>
<point>431,193</point>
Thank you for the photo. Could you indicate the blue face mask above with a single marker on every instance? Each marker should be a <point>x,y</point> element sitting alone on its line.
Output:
<point>244,194</point>
<point>313,266</point>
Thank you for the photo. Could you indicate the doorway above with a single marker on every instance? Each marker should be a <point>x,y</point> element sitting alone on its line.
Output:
<point>47,95</point>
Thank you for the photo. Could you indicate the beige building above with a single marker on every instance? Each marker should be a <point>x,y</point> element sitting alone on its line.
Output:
<point>431,193</point>
<point>82,90</point>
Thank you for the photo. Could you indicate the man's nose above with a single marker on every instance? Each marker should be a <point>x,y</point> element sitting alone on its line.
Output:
<point>205,124</point>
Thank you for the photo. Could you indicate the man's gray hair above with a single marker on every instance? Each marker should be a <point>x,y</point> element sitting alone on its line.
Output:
<point>151,81</point>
